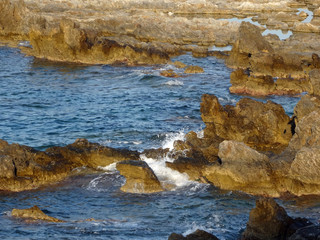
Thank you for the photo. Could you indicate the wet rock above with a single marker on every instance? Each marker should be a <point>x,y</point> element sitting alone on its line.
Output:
<point>25,168</point>
<point>263,126</point>
<point>197,235</point>
<point>33,213</point>
<point>139,177</point>
<point>269,221</point>
<point>193,69</point>
<point>158,153</point>
<point>306,233</point>
<point>169,73</point>
<point>176,236</point>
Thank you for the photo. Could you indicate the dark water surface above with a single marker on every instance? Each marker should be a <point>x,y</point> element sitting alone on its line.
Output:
<point>46,104</point>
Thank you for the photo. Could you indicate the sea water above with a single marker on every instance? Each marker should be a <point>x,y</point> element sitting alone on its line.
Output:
<point>45,104</point>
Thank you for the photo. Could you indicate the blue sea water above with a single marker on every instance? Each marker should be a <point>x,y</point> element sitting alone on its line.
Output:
<point>46,104</point>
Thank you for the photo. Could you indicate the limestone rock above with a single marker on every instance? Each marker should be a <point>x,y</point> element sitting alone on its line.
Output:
<point>7,167</point>
<point>242,168</point>
<point>315,82</point>
<point>307,132</point>
<point>249,42</point>
<point>305,106</point>
<point>263,126</point>
<point>139,177</point>
<point>193,69</point>
<point>306,166</point>
<point>70,43</point>
<point>33,213</point>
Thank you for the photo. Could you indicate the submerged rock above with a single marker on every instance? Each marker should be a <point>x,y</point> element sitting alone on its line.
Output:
<point>33,213</point>
<point>140,178</point>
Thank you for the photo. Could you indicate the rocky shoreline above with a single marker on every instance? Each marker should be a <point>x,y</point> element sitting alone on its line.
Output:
<point>252,147</point>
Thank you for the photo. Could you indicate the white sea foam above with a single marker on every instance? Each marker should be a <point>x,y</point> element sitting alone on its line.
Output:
<point>194,227</point>
<point>110,168</point>
<point>174,83</point>
<point>167,176</point>
<point>171,138</point>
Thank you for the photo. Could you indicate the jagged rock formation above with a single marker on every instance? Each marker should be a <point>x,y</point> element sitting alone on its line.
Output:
<point>24,168</point>
<point>263,126</point>
<point>254,147</point>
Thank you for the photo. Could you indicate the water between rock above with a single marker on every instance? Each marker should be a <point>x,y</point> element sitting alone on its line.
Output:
<point>46,104</point>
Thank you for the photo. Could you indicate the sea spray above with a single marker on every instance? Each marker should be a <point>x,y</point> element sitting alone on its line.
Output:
<point>171,138</point>
<point>166,175</point>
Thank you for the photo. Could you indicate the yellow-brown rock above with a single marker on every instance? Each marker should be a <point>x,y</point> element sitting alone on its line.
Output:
<point>263,126</point>
<point>242,168</point>
<point>24,168</point>
<point>169,73</point>
<point>193,69</point>
<point>139,177</point>
<point>179,64</point>
<point>34,213</point>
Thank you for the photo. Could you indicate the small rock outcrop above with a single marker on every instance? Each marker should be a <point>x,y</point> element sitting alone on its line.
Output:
<point>193,69</point>
<point>34,213</point>
<point>139,177</point>
<point>197,235</point>
<point>269,221</point>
